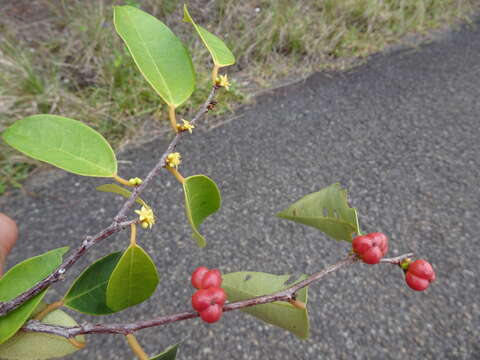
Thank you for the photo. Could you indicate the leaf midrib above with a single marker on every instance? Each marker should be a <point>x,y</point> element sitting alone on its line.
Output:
<point>250,295</point>
<point>130,271</point>
<point>49,148</point>
<point>198,28</point>
<point>324,218</point>
<point>70,299</point>
<point>151,57</point>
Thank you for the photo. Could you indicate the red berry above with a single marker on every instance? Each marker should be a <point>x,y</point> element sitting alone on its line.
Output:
<point>382,240</point>
<point>212,278</point>
<point>204,298</point>
<point>211,314</point>
<point>209,303</point>
<point>370,247</point>
<point>198,275</point>
<point>419,275</point>
<point>203,278</point>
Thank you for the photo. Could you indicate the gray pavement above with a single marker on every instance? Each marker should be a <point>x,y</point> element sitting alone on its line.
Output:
<point>401,133</point>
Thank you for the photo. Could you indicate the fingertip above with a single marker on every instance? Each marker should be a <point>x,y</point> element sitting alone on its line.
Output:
<point>8,234</point>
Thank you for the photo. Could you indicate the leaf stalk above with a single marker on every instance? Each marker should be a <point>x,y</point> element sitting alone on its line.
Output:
<point>136,347</point>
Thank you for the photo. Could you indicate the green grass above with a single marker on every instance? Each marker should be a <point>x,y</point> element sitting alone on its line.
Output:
<point>69,61</point>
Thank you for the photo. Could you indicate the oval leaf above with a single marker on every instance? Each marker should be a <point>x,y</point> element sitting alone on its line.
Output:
<point>20,278</point>
<point>202,198</point>
<point>169,354</point>
<point>160,56</point>
<point>221,54</point>
<point>65,143</point>
<point>88,294</point>
<point>133,280</point>
<point>38,346</point>
<point>117,189</point>
<point>326,210</point>
<point>245,285</point>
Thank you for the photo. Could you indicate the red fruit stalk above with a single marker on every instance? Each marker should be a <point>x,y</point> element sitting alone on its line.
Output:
<point>371,248</point>
<point>419,275</point>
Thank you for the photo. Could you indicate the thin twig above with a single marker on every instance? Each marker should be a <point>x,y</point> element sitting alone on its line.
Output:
<point>396,260</point>
<point>58,274</point>
<point>118,224</point>
<point>129,328</point>
<point>161,163</point>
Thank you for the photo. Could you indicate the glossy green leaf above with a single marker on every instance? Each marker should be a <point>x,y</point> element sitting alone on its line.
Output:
<point>326,210</point>
<point>202,198</point>
<point>117,189</point>
<point>133,280</point>
<point>221,54</point>
<point>20,278</point>
<point>88,294</point>
<point>65,143</point>
<point>30,346</point>
<point>169,354</point>
<point>160,56</point>
<point>245,285</point>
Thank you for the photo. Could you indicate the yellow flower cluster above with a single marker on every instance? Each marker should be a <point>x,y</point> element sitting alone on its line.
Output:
<point>222,81</point>
<point>173,160</point>
<point>146,217</point>
<point>186,126</point>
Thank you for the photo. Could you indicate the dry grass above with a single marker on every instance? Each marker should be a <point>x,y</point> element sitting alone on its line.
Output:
<point>64,57</point>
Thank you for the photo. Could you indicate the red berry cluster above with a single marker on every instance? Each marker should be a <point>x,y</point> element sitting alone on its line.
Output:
<point>419,274</point>
<point>210,297</point>
<point>371,248</point>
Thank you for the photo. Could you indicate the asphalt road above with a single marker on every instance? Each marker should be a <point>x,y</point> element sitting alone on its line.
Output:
<point>401,133</point>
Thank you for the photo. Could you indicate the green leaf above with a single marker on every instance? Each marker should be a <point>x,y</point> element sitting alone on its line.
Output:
<point>160,56</point>
<point>221,54</point>
<point>88,294</point>
<point>117,189</point>
<point>245,285</point>
<point>65,143</point>
<point>202,198</point>
<point>20,278</point>
<point>37,346</point>
<point>169,354</point>
<point>326,210</point>
<point>133,280</point>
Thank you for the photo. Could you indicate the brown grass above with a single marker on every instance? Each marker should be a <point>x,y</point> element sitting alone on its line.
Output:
<point>64,57</point>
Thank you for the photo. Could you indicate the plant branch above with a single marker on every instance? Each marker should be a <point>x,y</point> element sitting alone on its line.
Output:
<point>58,274</point>
<point>117,225</point>
<point>288,294</point>
<point>161,163</point>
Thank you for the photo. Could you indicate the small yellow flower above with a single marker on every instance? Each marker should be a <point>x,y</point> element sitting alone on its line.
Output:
<point>135,181</point>
<point>186,126</point>
<point>173,159</point>
<point>146,217</point>
<point>222,81</point>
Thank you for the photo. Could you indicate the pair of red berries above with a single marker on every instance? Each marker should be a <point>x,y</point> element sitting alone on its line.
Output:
<point>208,300</point>
<point>371,248</point>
